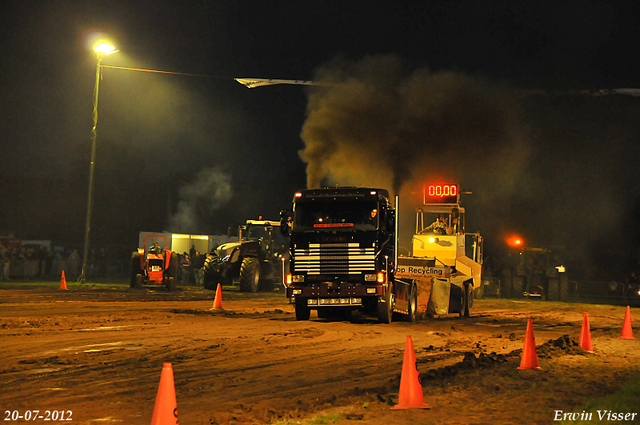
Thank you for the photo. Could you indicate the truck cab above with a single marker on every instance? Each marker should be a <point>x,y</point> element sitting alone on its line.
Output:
<point>342,253</point>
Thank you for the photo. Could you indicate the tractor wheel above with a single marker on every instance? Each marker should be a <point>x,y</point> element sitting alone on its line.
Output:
<point>212,272</point>
<point>250,275</point>
<point>138,281</point>
<point>303,312</point>
<point>171,284</point>
<point>135,270</point>
<point>385,306</point>
<point>172,272</point>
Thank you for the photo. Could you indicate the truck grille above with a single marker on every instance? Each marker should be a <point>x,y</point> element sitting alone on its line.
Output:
<point>335,258</point>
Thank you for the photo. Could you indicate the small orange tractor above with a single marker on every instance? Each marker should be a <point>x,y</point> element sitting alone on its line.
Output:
<point>158,266</point>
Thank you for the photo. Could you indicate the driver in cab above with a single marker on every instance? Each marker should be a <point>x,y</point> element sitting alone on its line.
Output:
<point>155,249</point>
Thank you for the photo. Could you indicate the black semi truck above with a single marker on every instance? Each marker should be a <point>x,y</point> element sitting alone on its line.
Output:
<point>343,249</point>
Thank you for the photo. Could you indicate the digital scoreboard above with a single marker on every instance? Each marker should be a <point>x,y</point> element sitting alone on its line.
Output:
<point>441,193</point>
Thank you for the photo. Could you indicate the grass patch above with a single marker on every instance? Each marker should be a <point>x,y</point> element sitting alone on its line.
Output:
<point>27,284</point>
<point>625,400</point>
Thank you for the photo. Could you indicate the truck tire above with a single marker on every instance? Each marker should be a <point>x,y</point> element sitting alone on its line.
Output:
<point>303,312</point>
<point>385,306</point>
<point>172,272</point>
<point>412,317</point>
<point>467,302</point>
<point>212,272</point>
<point>250,275</point>
<point>138,281</point>
<point>135,270</point>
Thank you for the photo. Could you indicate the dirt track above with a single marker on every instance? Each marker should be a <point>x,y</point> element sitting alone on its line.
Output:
<point>98,352</point>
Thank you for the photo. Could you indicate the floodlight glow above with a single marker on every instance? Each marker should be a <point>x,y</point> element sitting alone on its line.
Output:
<point>105,48</point>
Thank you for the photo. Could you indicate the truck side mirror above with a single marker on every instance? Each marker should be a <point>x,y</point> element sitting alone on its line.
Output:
<point>391,220</point>
<point>284,222</point>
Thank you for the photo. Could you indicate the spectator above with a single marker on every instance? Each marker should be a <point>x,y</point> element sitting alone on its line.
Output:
<point>74,263</point>
<point>102,262</point>
<point>6,262</point>
<point>197,265</point>
<point>185,266</point>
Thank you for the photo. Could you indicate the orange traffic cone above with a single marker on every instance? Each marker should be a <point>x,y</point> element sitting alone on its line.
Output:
<point>627,333</point>
<point>585,334</point>
<point>217,301</point>
<point>166,409</point>
<point>529,357</point>
<point>410,396</point>
<point>63,282</point>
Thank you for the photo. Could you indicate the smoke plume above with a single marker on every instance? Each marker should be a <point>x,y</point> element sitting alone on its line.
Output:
<point>370,124</point>
<point>210,190</point>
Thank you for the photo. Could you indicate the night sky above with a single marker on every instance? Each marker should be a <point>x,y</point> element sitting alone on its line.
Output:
<point>410,92</point>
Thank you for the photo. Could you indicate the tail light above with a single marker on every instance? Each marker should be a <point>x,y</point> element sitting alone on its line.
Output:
<point>289,279</point>
<point>382,277</point>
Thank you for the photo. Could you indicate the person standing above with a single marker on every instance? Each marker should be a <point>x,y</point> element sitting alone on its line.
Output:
<point>74,260</point>
<point>6,263</point>
<point>197,265</point>
<point>185,266</point>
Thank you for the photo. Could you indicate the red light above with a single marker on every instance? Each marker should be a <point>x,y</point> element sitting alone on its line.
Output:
<point>515,242</point>
<point>381,277</point>
<point>442,190</point>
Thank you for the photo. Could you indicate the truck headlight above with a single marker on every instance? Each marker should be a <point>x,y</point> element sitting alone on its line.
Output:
<point>372,290</point>
<point>370,277</point>
<point>297,278</point>
<point>297,292</point>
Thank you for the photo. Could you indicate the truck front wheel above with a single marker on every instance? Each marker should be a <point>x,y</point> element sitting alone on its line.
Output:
<point>385,306</point>
<point>303,312</point>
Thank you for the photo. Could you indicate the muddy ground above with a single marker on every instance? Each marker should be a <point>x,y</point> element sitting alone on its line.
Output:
<point>98,352</point>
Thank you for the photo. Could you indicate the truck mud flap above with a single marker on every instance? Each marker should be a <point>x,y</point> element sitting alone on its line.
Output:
<point>455,301</point>
<point>441,294</point>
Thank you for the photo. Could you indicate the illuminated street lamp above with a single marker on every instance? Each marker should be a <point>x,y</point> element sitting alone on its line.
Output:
<point>101,49</point>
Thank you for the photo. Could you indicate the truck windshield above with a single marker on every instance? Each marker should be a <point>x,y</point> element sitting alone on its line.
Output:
<point>336,215</point>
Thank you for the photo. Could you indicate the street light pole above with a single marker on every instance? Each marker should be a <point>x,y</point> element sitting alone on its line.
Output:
<point>106,49</point>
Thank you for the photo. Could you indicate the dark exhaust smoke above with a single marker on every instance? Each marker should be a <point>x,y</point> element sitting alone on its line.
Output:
<point>370,124</point>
